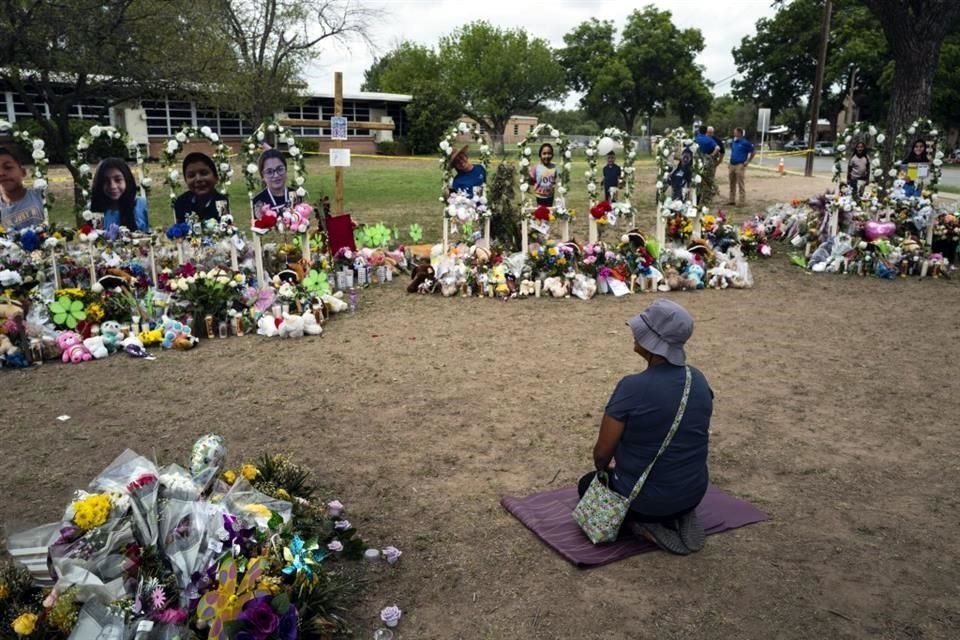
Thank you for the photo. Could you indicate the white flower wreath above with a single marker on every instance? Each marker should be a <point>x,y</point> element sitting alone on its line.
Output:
<point>667,154</point>
<point>78,158</point>
<point>629,171</point>
<point>448,146</point>
<point>926,128</point>
<point>38,153</point>
<point>874,139</point>
<point>563,158</point>
<point>173,147</point>
<point>252,147</point>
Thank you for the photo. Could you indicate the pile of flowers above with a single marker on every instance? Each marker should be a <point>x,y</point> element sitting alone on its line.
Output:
<point>195,551</point>
<point>753,238</point>
<point>464,211</point>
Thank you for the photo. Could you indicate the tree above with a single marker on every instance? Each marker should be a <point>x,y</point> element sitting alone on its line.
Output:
<point>777,64</point>
<point>416,70</point>
<point>60,53</point>
<point>496,73</point>
<point>727,112</point>
<point>915,33</point>
<point>652,68</point>
<point>272,40</point>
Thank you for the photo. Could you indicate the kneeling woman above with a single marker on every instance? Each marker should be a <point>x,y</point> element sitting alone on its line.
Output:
<point>637,421</point>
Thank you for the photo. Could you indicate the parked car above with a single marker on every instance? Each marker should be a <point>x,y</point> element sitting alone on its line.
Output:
<point>823,148</point>
<point>795,145</point>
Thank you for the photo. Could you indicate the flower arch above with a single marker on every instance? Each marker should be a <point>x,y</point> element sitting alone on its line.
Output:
<point>874,138</point>
<point>448,145</point>
<point>593,153</point>
<point>78,158</point>
<point>37,149</point>
<point>460,210</point>
<point>250,153</point>
<point>175,145</point>
<point>921,127</point>
<point>563,157</point>
<point>670,147</point>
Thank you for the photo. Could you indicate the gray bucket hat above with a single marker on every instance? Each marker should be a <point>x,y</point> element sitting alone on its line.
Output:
<point>663,328</point>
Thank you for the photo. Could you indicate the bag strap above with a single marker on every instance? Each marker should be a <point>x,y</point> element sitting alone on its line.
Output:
<point>666,441</point>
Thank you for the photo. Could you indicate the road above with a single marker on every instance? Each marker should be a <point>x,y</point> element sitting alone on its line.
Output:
<point>824,165</point>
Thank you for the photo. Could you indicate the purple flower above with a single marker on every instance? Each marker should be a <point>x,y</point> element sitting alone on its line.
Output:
<point>287,629</point>
<point>336,546</point>
<point>260,616</point>
<point>341,524</point>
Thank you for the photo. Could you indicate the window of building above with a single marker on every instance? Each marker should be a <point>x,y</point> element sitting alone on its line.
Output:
<point>516,129</point>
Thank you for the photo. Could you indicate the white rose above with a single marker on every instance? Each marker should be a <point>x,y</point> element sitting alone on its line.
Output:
<point>912,130</point>
<point>174,175</point>
<point>632,155</point>
<point>222,280</point>
<point>39,154</point>
<point>881,139</point>
<point>527,151</point>
<point>301,191</point>
<point>282,139</point>
<point>939,155</point>
<point>934,133</point>
<point>666,153</point>
<point>117,135</point>
<point>462,127</point>
<point>95,131</point>
<point>214,137</point>
<point>938,162</point>
<point>84,169</point>
<point>562,190</point>
<point>842,148</point>
<point>181,137</point>
<point>697,179</point>
<point>300,180</point>
<point>524,163</point>
<point>449,151</point>
<point>659,185</point>
<point>567,154</point>
<point>146,182</point>
<point>587,174</point>
<point>260,136</point>
<point>206,131</point>
<point>172,147</point>
<point>444,145</point>
<point>524,186</point>
<point>848,139</point>
<point>88,215</point>
<point>251,168</point>
<point>877,172</point>
<point>38,143</point>
<point>892,173</point>
<point>872,130</point>
<point>83,145</point>
<point>484,149</point>
<point>294,151</point>
<point>224,167</point>
<point>591,187</point>
<point>39,184</point>
<point>567,166</point>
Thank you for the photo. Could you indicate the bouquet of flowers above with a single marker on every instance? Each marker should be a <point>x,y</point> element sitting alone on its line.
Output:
<point>753,238</point>
<point>205,292</point>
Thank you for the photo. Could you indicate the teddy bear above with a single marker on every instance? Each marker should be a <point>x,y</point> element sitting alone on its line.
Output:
<point>111,334</point>
<point>527,288</point>
<point>11,355</point>
<point>310,325</point>
<point>72,348</point>
<point>422,278</point>
<point>673,281</point>
<point>334,303</point>
<point>97,347</point>
<point>267,325</point>
<point>557,287</point>
<point>291,327</point>
<point>695,274</point>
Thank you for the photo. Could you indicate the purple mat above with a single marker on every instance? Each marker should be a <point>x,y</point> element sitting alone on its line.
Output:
<point>548,515</point>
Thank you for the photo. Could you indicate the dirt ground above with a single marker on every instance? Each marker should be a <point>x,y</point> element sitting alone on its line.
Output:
<point>835,412</point>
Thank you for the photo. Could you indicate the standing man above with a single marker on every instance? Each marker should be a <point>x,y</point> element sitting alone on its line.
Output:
<point>706,144</point>
<point>720,148</point>
<point>612,173</point>
<point>710,153</point>
<point>741,154</point>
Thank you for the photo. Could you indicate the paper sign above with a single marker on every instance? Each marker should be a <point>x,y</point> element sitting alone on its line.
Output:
<point>917,170</point>
<point>339,157</point>
<point>338,128</point>
<point>540,226</point>
<point>618,287</point>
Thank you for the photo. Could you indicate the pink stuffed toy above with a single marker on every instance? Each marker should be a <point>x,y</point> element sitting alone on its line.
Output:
<point>266,220</point>
<point>298,220</point>
<point>72,347</point>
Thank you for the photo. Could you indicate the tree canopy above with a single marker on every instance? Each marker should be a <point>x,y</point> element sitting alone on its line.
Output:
<point>652,68</point>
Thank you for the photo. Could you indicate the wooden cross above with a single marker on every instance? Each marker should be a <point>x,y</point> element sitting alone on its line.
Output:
<point>324,124</point>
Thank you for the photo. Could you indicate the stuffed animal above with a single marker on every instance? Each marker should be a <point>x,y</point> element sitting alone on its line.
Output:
<point>557,287</point>
<point>310,325</point>
<point>584,287</point>
<point>267,325</point>
<point>423,278</point>
<point>72,348</point>
<point>334,303</point>
<point>10,310</point>
<point>695,275</point>
<point>111,334</point>
<point>673,281</point>
<point>527,288</point>
<point>96,346</point>
<point>291,327</point>
<point>150,337</point>
<point>177,335</point>
<point>721,277</point>
<point>498,278</point>
<point>11,355</point>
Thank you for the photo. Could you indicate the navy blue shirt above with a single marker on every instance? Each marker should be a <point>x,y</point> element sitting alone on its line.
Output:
<point>467,182</point>
<point>707,144</point>
<point>740,150</point>
<point>647,404</point>
<point>210,209</point>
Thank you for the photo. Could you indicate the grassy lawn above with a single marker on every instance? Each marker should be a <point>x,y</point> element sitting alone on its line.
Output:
<point>396,191</point>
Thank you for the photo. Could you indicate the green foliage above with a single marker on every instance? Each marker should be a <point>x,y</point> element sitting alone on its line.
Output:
<point>397,147</point>
<point>727,113</point>
<point>505,217</point>
<point>416,70</point>
<point>652,68</point>
<point>99,148</point>
<point>496,73</point>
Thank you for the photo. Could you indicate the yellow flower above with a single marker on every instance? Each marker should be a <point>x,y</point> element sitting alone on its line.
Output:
<point>95,311</point>
<point>552,251</point>
<point>229,476</point>
<point>4,591</point>
<point>282,494</point>
<point>25,624</point>
<point>92,511</point>
<point>562,261</point>
<point>258,509</point>
<point>2,229</point>
<point>269,584</point>
<point>73,292</point>
<point>249,472</point>
<point>533,254</point>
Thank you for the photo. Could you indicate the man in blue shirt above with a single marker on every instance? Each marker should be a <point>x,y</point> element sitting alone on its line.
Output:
<point>707,145</point>
<point>741,153</point>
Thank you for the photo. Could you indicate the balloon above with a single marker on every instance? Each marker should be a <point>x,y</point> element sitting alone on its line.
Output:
<point>605,146</point>
<point>874,230</point>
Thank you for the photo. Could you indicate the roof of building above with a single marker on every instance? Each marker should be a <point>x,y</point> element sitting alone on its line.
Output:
<point>362,95</point>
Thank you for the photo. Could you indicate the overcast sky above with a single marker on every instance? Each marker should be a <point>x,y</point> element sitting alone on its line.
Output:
<point>723,24</point>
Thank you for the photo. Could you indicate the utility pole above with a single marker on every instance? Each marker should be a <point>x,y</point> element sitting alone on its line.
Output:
<point>818,86</point>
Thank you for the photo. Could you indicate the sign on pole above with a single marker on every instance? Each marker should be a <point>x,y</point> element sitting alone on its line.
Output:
<point>338,128</point>
<point>763,123</point>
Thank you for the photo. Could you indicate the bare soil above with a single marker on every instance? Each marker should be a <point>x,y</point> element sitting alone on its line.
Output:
<point>835,413</point>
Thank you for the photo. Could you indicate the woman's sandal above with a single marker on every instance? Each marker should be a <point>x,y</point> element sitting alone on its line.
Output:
<point>691,532</point>
<point>662,536</point>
